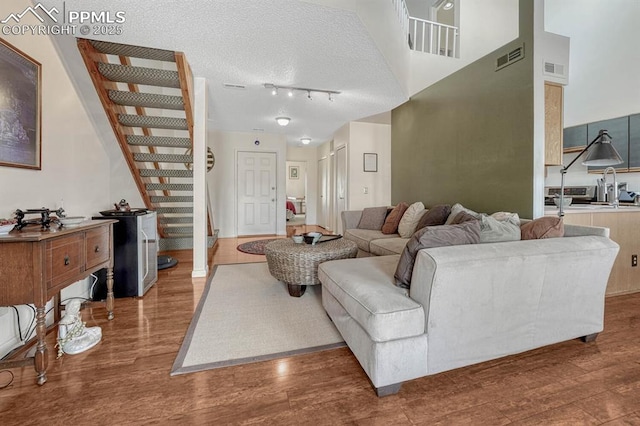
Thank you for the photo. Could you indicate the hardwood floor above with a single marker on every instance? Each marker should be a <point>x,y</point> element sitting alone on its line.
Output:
<point>125,379</point>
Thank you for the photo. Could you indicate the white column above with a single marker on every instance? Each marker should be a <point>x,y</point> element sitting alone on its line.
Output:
<point>200,106</point>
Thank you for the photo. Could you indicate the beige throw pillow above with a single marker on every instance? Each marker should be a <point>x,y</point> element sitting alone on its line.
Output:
<point>499,227</point>
<point>410,219</point>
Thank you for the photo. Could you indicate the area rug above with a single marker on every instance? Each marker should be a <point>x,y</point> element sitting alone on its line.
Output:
<point>245,315</point>
<point>255,247</point>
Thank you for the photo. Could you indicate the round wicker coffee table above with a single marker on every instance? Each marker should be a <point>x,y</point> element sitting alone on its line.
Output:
<point>297,264</point>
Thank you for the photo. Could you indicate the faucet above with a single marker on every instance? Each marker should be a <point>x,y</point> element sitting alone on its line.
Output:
<point>614,203</point>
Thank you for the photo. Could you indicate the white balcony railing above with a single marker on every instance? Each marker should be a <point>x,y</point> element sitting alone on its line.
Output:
<point>432,37</point>
<point>403,16</point>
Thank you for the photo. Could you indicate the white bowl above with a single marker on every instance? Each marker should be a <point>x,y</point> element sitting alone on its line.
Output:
<point>71,221</point>
<point>566,201</point>
<point>5,229</point>
<point>298,239</point>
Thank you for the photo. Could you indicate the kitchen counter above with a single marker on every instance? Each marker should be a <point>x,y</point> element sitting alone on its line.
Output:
<point>591,208</point>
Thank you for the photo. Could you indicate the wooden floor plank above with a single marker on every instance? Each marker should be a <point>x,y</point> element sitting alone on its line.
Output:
<point>125,379</point>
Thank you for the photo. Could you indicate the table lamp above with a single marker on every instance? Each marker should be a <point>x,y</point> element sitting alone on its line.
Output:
<point>602,154</point>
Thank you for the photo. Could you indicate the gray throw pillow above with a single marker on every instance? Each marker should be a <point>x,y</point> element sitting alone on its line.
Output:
<point>434,236</point>
<point>372,218</point>
<point>436,215</point>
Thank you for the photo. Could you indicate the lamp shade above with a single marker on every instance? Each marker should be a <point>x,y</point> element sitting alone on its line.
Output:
<point>602,153</point>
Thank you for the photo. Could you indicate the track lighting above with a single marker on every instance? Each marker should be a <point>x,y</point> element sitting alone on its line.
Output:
<point>289,89</point>
<point>283,121</point>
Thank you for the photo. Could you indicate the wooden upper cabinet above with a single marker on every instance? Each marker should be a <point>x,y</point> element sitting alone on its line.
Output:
<point>552,124</point>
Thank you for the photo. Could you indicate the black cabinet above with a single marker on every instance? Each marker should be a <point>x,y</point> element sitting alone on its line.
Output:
<point>634,143</point>
<point>574,138</point>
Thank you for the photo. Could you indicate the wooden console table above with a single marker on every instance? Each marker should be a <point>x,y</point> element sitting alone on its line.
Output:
<point>35,265</point>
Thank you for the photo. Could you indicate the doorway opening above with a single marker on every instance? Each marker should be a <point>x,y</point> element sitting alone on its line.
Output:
<point>296,193</point>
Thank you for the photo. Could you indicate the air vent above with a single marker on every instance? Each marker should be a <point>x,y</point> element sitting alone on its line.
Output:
<point>234,86</point>
<point>554,69</point>
<point>514,56</point>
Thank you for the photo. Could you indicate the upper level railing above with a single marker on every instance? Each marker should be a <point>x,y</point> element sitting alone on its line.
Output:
<point>427,36</point>
<point>432,37</point>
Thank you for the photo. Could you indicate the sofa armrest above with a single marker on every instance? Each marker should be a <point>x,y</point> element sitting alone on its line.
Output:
<point>350,219</point>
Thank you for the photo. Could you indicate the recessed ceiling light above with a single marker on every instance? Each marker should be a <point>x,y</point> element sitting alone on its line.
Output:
<point>448,5</point>
<point>283,121</point>
<point>305,141</point>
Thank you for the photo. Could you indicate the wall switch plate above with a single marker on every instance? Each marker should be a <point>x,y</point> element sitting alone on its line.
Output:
<point>634,260</point>
<point>365,190</point>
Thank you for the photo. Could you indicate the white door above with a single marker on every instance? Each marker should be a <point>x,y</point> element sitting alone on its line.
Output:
<point>341,187</point>
<point>256,193</point>
<point>324,197</point>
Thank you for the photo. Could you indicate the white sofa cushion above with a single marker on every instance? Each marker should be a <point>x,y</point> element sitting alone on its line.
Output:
<point>363,237</point>
<point>388,246</point>
<point>365,288</point>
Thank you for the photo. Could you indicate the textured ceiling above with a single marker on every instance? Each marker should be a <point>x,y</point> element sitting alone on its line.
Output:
<point>253,42</point>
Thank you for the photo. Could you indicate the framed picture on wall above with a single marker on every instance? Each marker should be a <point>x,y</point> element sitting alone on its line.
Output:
<point>370,162</point>
<point>294,172</point>
<point>20,108</point>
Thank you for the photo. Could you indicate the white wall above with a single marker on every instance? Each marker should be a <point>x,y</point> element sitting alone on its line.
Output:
<point>222,180</point>
<point>296,186</point>
<point>484,27</point>
<point>75,166</point>
<point>370,138</point>
<point>605,65</point>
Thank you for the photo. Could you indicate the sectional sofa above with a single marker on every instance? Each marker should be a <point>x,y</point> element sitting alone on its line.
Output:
<point>466,304</point>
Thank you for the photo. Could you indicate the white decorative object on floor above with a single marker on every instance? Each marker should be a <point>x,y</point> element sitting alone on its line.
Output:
<point>73,336</point>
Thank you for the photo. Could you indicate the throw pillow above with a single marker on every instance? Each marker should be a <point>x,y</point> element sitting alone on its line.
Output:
<point>393,219</point>
<point>543,227</point>
<point>457,208</point>
<point>372,218</point>
<point>493,230</point>
<point>436,215</point>
<point>410,219</point>
<point>462,217</point>
<point>434,236</point>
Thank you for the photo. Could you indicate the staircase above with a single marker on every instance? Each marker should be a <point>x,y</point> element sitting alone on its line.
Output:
<point>146,94</point>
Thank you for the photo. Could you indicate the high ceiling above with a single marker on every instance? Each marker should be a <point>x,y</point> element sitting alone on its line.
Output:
<point>253,42</point>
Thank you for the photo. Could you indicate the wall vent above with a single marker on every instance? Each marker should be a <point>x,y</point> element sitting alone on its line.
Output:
<point>556,70</point>
<point>234,86</point>
<point>509,58</point>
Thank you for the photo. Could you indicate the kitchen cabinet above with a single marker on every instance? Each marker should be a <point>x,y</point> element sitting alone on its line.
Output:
<point>624,230</point>
<point>574,139</point>
<point>552,124</point>
<point>634,143</point>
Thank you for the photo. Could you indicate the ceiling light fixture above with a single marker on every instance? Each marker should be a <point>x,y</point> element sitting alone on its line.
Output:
<point>305,141</point>
<point>290,90</point>
<point>283,121</point>
<point>448,5</point>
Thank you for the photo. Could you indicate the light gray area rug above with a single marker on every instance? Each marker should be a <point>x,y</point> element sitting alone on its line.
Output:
<point>245,315</point>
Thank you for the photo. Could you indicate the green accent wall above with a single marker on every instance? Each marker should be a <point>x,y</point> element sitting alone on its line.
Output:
<point>469,138</point>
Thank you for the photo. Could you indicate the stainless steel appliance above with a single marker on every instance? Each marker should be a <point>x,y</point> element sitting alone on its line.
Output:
<point>579,194</point>
<point>135,246</point>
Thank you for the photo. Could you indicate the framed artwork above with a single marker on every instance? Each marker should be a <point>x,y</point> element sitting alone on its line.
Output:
<point>294,172</point>
<point>20,108</point>
<point>370,162</point>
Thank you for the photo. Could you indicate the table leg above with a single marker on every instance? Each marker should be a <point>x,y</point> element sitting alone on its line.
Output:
<point>110,293</point>
<point>40,358</point>
<point>296,290</point>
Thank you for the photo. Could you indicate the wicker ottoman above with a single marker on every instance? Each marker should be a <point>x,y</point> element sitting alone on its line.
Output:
<point>297,264</point>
